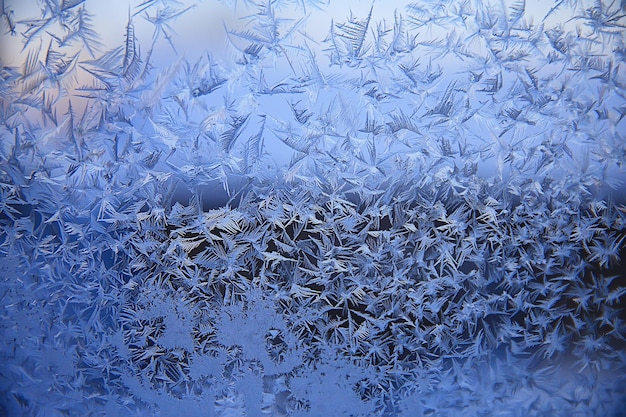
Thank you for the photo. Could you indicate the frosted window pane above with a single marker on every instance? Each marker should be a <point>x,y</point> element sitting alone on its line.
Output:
<point>312,208</point>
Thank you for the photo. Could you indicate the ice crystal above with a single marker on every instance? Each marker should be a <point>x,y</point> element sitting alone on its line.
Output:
<point>390,209</point>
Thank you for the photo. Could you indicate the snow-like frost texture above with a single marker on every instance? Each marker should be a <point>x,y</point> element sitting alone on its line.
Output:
<point>394,209</point>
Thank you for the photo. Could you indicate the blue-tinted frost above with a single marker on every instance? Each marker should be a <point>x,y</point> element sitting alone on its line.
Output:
<point>399,209</point>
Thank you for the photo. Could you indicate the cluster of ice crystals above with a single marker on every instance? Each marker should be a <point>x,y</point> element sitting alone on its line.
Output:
<point>394,213</point>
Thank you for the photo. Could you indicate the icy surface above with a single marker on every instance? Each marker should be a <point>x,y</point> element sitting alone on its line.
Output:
<point>312,208</point>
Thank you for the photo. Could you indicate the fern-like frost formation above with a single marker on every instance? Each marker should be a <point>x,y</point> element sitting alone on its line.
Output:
<point>384,209</point>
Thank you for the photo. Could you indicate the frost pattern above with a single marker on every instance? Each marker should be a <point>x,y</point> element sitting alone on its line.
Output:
<point>415,213</point>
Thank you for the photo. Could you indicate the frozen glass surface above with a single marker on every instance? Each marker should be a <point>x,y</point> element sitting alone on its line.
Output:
<point>312,208</point>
